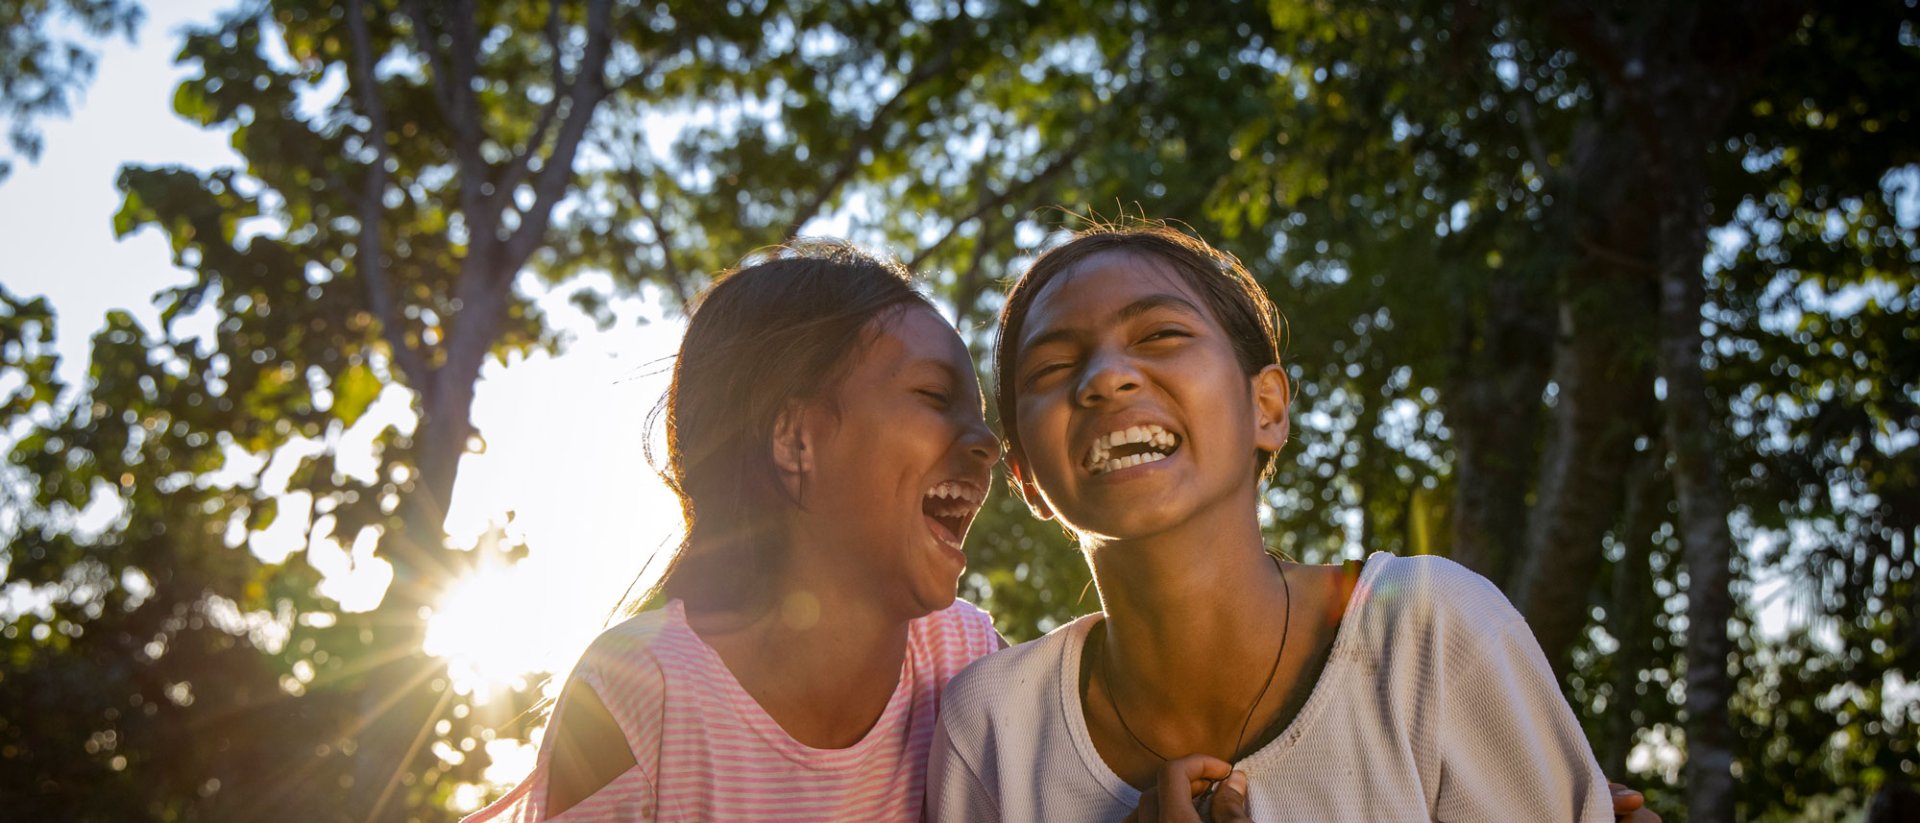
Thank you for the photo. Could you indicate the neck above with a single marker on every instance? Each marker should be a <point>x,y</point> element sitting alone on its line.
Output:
<point>822,657</point>
<point>814,620</point>
<point>1185,608</point>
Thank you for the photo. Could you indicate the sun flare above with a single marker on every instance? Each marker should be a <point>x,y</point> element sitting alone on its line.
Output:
<point>565,472</point>
<point>484,643</point>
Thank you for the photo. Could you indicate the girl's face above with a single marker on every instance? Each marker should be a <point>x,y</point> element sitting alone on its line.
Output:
<point>895,471</point>
<point>1134,414</point>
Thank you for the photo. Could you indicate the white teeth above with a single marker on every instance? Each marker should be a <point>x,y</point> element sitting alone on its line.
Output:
<point>1118,463</point>
<point>1099,459</point>
<point>964,496</point>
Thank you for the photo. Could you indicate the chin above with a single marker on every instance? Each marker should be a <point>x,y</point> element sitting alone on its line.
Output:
<point>927,603</point>
<point>1124,525</point>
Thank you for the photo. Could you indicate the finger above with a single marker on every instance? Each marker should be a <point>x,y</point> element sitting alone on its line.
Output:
<point>1187,777</point>
<point>1230,800</point>
<point>1192,775</point>
<point>1641,815</point>
<point>1625,800</point>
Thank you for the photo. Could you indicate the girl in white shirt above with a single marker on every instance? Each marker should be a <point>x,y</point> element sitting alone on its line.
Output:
<point>1143,403</point>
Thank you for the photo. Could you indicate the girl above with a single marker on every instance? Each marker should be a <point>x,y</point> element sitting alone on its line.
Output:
<point>1143,403</point>
<point>826,438</point>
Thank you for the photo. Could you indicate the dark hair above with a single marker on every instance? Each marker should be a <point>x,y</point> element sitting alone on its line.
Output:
<point>780,328</point>
<point>1236,300</point>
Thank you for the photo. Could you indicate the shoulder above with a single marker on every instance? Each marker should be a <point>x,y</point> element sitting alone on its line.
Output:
<point>1015,678</point>
<point>635,635</point>
<point>945,641</point>
<point>624,662</point>
<point>1413,608</point>
<point>1430,588</point>
<point>961,628</point>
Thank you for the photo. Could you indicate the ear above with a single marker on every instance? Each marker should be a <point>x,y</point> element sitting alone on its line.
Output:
<point>792,447</point>
<point>1025,487</point>
<point>1271,400</point>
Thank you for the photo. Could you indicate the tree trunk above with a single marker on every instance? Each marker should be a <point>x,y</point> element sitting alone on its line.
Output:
<point>1698,481</point>
<point>404,699</point>
<point>1493,408</point>
<point>1606,301</point>
<point>1630,616</point>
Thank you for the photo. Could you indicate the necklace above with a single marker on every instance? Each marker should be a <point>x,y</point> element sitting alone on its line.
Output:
<point>1286,626</point>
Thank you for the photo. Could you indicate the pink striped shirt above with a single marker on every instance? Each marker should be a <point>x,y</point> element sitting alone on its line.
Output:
<point>704,750</point>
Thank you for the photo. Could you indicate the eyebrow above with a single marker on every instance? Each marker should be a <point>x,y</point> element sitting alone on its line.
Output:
<point>1160,300</point>
<point>943,366</point>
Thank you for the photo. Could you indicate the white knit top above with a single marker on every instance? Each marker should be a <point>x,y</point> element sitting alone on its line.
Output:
<point>1435,704</point>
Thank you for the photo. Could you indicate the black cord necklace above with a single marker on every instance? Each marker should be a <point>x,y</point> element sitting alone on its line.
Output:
<point>1286,627</point>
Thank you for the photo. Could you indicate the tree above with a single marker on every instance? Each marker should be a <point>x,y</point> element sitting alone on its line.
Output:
<point>1456,204</point>
<point>1460,209</point>
<point>377,237</point>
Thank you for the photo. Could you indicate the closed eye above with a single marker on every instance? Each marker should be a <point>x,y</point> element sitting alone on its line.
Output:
<point>1042,371</point>
<point>936,396</point>
<point>1165,334</point>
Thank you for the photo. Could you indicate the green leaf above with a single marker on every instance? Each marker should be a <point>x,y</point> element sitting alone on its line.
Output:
<point>353,391</point>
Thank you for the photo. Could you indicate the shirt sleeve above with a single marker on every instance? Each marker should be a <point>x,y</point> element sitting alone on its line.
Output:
<point>628,797</point>
<point>954,789</point>
<point>1510,746</point>
<point>621,671</point>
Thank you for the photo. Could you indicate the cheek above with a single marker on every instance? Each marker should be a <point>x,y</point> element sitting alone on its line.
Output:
<point>906,439</point>
<point>1036,432</point>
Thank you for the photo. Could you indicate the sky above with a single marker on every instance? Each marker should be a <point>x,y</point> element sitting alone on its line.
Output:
<point>564,433</point>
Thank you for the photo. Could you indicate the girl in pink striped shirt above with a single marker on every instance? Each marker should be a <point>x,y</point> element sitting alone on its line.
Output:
<point>826,438</point>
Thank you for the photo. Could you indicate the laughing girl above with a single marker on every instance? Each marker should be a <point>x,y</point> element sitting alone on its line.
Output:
<point>826,439</point>
<point>1143,403</point>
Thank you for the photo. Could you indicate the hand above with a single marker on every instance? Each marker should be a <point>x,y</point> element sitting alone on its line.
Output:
<point>1188,778</point>
<point>1630,807</point>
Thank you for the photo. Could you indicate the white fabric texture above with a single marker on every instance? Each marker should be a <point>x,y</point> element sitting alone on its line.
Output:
<point>1435,704</point>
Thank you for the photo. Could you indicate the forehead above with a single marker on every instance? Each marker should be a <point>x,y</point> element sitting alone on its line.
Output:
<point>1094,291</point>
<point>911,337</point>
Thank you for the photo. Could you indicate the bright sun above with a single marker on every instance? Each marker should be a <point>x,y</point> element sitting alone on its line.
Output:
<point>565,454</point>
<point>488,643</point>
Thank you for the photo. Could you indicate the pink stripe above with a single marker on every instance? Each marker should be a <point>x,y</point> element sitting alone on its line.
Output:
<point>705,750</point>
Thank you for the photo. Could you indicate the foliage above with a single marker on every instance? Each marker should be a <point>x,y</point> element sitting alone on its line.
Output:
<point>1445,199</point>
<point>1423,191</point>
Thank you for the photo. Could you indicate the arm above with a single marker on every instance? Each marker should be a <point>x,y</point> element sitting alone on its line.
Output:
<point>1510,746</point>
<point>601,757</point>
<point>954,790</point>
<point>589,750</point>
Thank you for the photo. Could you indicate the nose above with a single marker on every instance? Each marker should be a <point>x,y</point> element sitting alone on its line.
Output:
<point>980,443</point>
<point>1107,376</point>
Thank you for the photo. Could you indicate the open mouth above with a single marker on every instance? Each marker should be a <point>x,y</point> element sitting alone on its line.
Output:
<point>950,508</point>
<point>1129,447</point>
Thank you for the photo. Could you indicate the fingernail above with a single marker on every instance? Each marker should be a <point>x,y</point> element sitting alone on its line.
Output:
<point>1237,782</point>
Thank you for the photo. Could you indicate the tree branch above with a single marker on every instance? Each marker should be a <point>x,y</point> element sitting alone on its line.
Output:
<point>850,159</point>
<point>1053,168</point>
<point>589,88</point>
<point>429,52</point>
<point>453,89</point>
<point>967,292</point>
<point>366,256</point>
<point>676,279</point>
<point>522,163</point>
